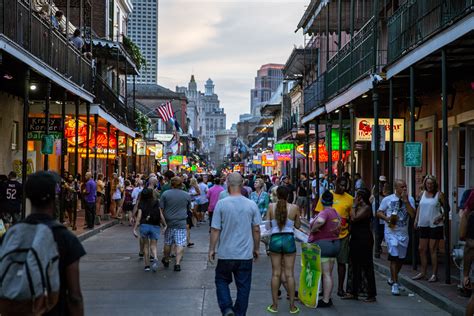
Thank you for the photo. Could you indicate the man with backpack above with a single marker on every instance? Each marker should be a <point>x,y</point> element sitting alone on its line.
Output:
<point>44,279</point>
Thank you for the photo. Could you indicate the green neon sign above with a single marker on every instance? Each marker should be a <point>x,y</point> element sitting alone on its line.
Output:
<point>284,147</point>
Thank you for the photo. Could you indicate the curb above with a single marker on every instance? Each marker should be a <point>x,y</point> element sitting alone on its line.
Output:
<point>96,230</point>
<point>423,291</point>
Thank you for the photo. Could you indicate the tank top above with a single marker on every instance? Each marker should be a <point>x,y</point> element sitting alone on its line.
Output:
<point>288,228</point>
<point>429,209</point>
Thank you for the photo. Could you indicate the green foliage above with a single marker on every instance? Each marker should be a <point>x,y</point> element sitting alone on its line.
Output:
<point>143,122</point>
<point>134,51</point>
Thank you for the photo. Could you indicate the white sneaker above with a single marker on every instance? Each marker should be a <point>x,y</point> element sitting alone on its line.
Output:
<point>395,289</point>
<point>154,266</point>
<point>390,281</point>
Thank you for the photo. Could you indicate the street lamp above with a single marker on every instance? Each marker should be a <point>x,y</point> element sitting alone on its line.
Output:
<point>294,134</point>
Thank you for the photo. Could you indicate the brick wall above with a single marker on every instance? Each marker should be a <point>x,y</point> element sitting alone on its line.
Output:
<point>98,17</point>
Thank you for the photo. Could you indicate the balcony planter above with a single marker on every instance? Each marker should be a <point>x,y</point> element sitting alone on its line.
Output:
<point>134,51</point>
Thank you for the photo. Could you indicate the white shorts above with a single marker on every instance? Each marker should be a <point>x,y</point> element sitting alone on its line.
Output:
<point>397,246</point>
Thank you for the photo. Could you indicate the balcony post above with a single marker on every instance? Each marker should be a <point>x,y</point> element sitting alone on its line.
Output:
<point>96,127</point>
<point>413,169</point>
<point>67,41</point>
<point>107,180</point>
<point>375,134</point>
<point>88,123</point>
<point>116,167</point>
<point>444,100</point>
<point>329,145</point>
<point>126,155</point>
<point>308,184</point>
<point>340,166</point>
<point>76,138</point>
<point>46,116</point>
<point>318,171</point>
<point>24,149</point>
<point>339,39</point>
<point>352,136</point>
<point>391,159</point>
<point>63,154</point>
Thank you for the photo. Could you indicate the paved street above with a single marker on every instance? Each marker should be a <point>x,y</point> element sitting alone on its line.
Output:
<point>114,283</point>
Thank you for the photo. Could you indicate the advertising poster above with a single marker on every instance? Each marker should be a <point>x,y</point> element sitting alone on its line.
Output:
<point>310,276</point>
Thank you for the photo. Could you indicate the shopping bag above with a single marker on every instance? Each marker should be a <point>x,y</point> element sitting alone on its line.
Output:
<point>310,276</point>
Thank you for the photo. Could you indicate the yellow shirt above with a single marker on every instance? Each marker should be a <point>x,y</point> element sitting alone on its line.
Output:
<point>342,204</point>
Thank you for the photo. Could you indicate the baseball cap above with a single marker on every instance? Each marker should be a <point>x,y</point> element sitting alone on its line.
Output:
<point>383,179</point>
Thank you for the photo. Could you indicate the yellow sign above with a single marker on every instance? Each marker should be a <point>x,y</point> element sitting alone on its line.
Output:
<point>256,162</point>
<point>268,160</point>
<point>363,129</point>
<point>159,151</point>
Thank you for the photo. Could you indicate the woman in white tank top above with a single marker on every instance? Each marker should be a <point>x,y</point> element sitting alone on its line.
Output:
<point>282,217</point>
<point>429,223</point>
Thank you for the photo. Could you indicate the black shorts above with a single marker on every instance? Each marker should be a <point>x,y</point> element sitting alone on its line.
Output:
<point>203,207</point>
<point>435,233</point>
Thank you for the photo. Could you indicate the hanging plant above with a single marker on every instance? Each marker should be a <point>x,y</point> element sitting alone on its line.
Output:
<point>134,51</point>
<point>142,122</point>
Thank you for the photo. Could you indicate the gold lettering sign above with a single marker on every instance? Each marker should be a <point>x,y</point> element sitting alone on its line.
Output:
<point>363,129</point>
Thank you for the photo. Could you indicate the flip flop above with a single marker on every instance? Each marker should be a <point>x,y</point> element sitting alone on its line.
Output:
<point>296,311</point>
<point>271,310</point>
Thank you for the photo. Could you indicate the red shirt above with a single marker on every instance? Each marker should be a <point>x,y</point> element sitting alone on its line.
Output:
<point>330,229</point>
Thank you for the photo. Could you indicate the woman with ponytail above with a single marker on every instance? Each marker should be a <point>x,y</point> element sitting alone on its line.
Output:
<point>282,218</point>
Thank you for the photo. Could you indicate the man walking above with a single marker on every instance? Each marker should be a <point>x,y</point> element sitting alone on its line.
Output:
<point>395,210</point>
<point>175,204</point>
<point>12,192</point>
<point>90,194</point>
<point>235,226</point>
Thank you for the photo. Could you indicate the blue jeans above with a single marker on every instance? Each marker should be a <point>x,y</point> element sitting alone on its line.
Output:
<point>242,272</point>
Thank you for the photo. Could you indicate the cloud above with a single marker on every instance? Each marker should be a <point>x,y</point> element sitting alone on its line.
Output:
<point>227,41</point>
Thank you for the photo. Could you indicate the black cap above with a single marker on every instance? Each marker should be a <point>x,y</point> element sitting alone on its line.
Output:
<point>41,186</point>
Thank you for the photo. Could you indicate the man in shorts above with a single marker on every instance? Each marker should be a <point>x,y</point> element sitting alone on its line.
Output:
<point>175,204</point>
<point>342,204</point>
<point>396,210</point>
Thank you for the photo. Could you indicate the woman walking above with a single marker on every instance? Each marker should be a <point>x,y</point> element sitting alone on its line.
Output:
<point>429,222</point>
<point>117,191</point>
<point>361,245</point>
<point>260,197</point>
<point>149,217</point>
<point>324,231</point>
<point>128,201</point>
<point>282,219</point>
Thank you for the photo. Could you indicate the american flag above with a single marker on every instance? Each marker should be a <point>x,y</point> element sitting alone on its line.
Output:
<point>165,111</point>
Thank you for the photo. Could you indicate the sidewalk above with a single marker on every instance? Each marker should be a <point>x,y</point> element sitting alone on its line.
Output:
<point>84,233</point>
<point>445,296</point>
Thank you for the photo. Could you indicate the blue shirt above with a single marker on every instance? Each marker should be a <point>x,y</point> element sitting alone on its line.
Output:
<point>91,191</point>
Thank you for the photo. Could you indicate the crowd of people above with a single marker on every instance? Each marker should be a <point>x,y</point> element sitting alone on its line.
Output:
<point>342,225</point>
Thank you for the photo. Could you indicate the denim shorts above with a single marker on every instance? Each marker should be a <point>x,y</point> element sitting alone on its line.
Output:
<point>150,231</point>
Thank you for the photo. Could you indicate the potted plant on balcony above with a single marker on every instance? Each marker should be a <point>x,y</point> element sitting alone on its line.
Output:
<point>142,123</point>
<point>134,51</point>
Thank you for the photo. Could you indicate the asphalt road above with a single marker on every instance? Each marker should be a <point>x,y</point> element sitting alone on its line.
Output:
<point>114,283</point>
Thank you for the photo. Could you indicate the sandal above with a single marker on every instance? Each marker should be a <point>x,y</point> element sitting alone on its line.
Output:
<point>433,279</point>
<point>271,310</point>
<point>296,311</point>
<point>419,276</point>
<point>348,296</point>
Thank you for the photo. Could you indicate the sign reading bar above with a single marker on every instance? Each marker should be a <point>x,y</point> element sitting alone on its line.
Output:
<point>284,147</point>
<point>413,154</point>
<point>363,130</point>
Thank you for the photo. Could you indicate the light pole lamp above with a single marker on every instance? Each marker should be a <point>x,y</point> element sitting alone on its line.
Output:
<point>294,134</point>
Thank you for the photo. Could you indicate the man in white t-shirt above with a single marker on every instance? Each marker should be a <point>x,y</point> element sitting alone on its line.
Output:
<point>236,228</point>
<point>396,210</point>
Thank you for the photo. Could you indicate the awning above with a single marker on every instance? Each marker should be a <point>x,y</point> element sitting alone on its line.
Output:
<point>298,60</point>
<point>109,49</point>
<point>258,142</point>
<point>356,90</point>
<point>311,116</point>
<point>96,109</point>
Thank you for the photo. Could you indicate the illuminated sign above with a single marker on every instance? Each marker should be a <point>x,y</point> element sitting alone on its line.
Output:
<point>268,160</point>
<point>141,148</point>
<point>159,151</point>
<point>164,162</point>
<point>176,160</point>
<point>363,130</point>
<point>283,156</point>
<point>335,139</point>
<point>70,131</point>
<point>163,137</point>
<point>283,147</point>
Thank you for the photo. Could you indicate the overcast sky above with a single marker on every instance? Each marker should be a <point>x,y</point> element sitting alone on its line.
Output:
<point>226,40</point>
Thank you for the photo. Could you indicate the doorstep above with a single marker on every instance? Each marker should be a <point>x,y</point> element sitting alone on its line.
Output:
<point>445,296</point>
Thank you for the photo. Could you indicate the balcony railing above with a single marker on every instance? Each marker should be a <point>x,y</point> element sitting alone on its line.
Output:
<point>314,95</point>
<point>110,101</point>
<point>352,61</point>
<point>36,35</point>
<point>417,20</point>
<point>287,126</point>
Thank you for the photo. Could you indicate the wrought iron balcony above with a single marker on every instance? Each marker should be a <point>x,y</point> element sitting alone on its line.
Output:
<point>110,101</point>
<point>286,127</point>
<point>36,35</point>
<point>354,60</point>
<point>417,20</point>
<point>314,95</point>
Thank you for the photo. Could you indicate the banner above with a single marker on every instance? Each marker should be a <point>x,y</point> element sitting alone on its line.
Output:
<point>363,129</point>
<point>310,276</point>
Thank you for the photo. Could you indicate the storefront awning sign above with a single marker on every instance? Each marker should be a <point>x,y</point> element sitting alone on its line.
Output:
<point>37,128</point>
<point>176,160</point>
<point>363,130</point>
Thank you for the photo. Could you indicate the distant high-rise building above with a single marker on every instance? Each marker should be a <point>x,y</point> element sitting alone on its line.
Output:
<point>143,30</point>
<point>268,79</point>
